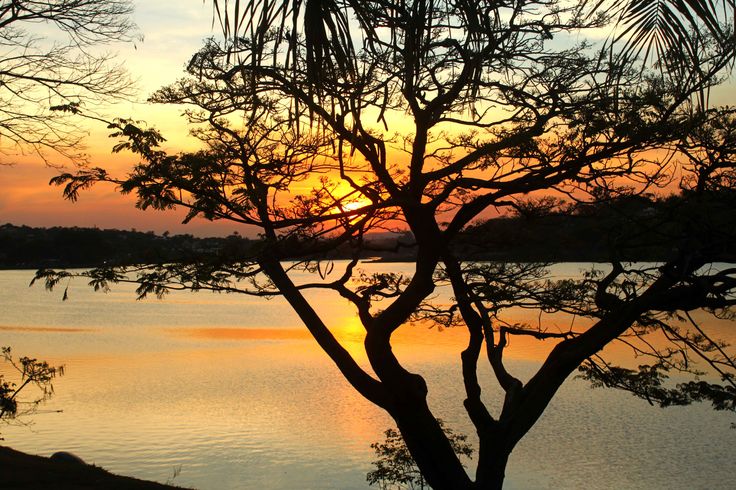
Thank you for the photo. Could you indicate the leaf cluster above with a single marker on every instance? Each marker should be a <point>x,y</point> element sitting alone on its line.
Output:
<point>395,468</point>
<point>648,382</point>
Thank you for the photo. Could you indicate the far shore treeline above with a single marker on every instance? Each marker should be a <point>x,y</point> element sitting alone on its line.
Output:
<point>632,228</point>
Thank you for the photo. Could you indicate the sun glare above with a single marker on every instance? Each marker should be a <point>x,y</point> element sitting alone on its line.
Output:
<point>354,205</point>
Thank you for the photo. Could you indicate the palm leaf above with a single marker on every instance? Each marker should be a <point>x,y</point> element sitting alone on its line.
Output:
<point>648,26</point>
<point>672,27</point>
<point>323,24</point>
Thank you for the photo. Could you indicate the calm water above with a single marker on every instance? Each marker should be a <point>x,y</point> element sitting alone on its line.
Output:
<point>228,390</point>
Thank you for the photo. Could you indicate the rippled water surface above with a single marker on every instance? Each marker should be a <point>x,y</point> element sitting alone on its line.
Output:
<point>228,392</point>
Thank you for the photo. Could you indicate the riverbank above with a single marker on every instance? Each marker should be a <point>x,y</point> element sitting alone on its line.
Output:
<point>25,471</point>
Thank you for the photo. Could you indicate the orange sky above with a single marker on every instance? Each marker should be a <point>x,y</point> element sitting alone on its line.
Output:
<point>173,30</point>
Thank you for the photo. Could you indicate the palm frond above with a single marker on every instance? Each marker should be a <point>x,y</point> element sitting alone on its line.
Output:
<point>323,25</point>
<point>673,29</point>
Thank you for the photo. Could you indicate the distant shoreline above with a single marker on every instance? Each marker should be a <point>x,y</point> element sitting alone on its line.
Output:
<point>386,261</point>
<point>545,239</point>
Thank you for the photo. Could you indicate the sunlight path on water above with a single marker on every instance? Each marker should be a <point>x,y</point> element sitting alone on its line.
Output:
<point>231,391</point>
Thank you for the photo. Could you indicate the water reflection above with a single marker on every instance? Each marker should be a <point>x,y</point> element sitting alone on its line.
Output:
<point>44,329</point>
<point>230,391</point>
<point>240,333</point>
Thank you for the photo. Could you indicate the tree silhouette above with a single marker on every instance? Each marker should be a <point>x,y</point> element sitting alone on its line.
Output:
<point>50,68</point>
<point>424,116</point>
<point>24,373</point>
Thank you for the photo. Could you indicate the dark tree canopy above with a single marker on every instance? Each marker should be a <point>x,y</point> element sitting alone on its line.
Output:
<point>51,65</point>
<point>424,116</point>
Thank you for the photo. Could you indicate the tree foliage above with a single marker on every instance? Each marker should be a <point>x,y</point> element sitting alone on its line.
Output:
<point>26,374</point>
<point>424,116</point>
<point>395,468</point>
<point>51,67</point>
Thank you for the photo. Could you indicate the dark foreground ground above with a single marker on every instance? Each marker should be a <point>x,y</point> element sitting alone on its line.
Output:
<point>24,471</point>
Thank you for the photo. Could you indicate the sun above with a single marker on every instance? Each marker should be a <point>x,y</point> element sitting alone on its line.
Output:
<point>355,204</point>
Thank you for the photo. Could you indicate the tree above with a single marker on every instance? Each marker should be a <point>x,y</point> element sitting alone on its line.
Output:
<point>31,373</point>
<point>51,66</point>
<point>503,103</point>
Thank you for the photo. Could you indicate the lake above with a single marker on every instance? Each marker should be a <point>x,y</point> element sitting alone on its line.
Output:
<point>217,391</point>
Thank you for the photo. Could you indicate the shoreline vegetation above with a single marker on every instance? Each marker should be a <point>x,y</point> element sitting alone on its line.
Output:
<point>26,471</point>
<point>632,229</point>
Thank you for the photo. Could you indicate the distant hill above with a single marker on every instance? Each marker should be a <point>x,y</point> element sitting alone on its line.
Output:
<point>633,228</point>
<point>24,247</point>
<point>628,229</point>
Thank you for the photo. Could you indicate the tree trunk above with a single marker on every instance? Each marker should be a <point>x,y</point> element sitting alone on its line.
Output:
<point>493,455</point>
<point>438,462</point>
<point>493,480</point>
<point>423,435</point>
<point>430,449</point>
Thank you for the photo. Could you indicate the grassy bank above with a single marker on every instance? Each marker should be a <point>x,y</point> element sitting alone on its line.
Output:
<point>24,471</point>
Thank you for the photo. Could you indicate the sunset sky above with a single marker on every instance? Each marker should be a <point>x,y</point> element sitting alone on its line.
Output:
<point>173,30</point>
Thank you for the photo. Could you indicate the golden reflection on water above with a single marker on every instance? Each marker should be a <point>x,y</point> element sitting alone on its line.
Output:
<point>241,333</point>
<point>45,329</point>
<point>412,342</point>
<point>267,409</point>
<point>250,400</point>
<point>245,397</point>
